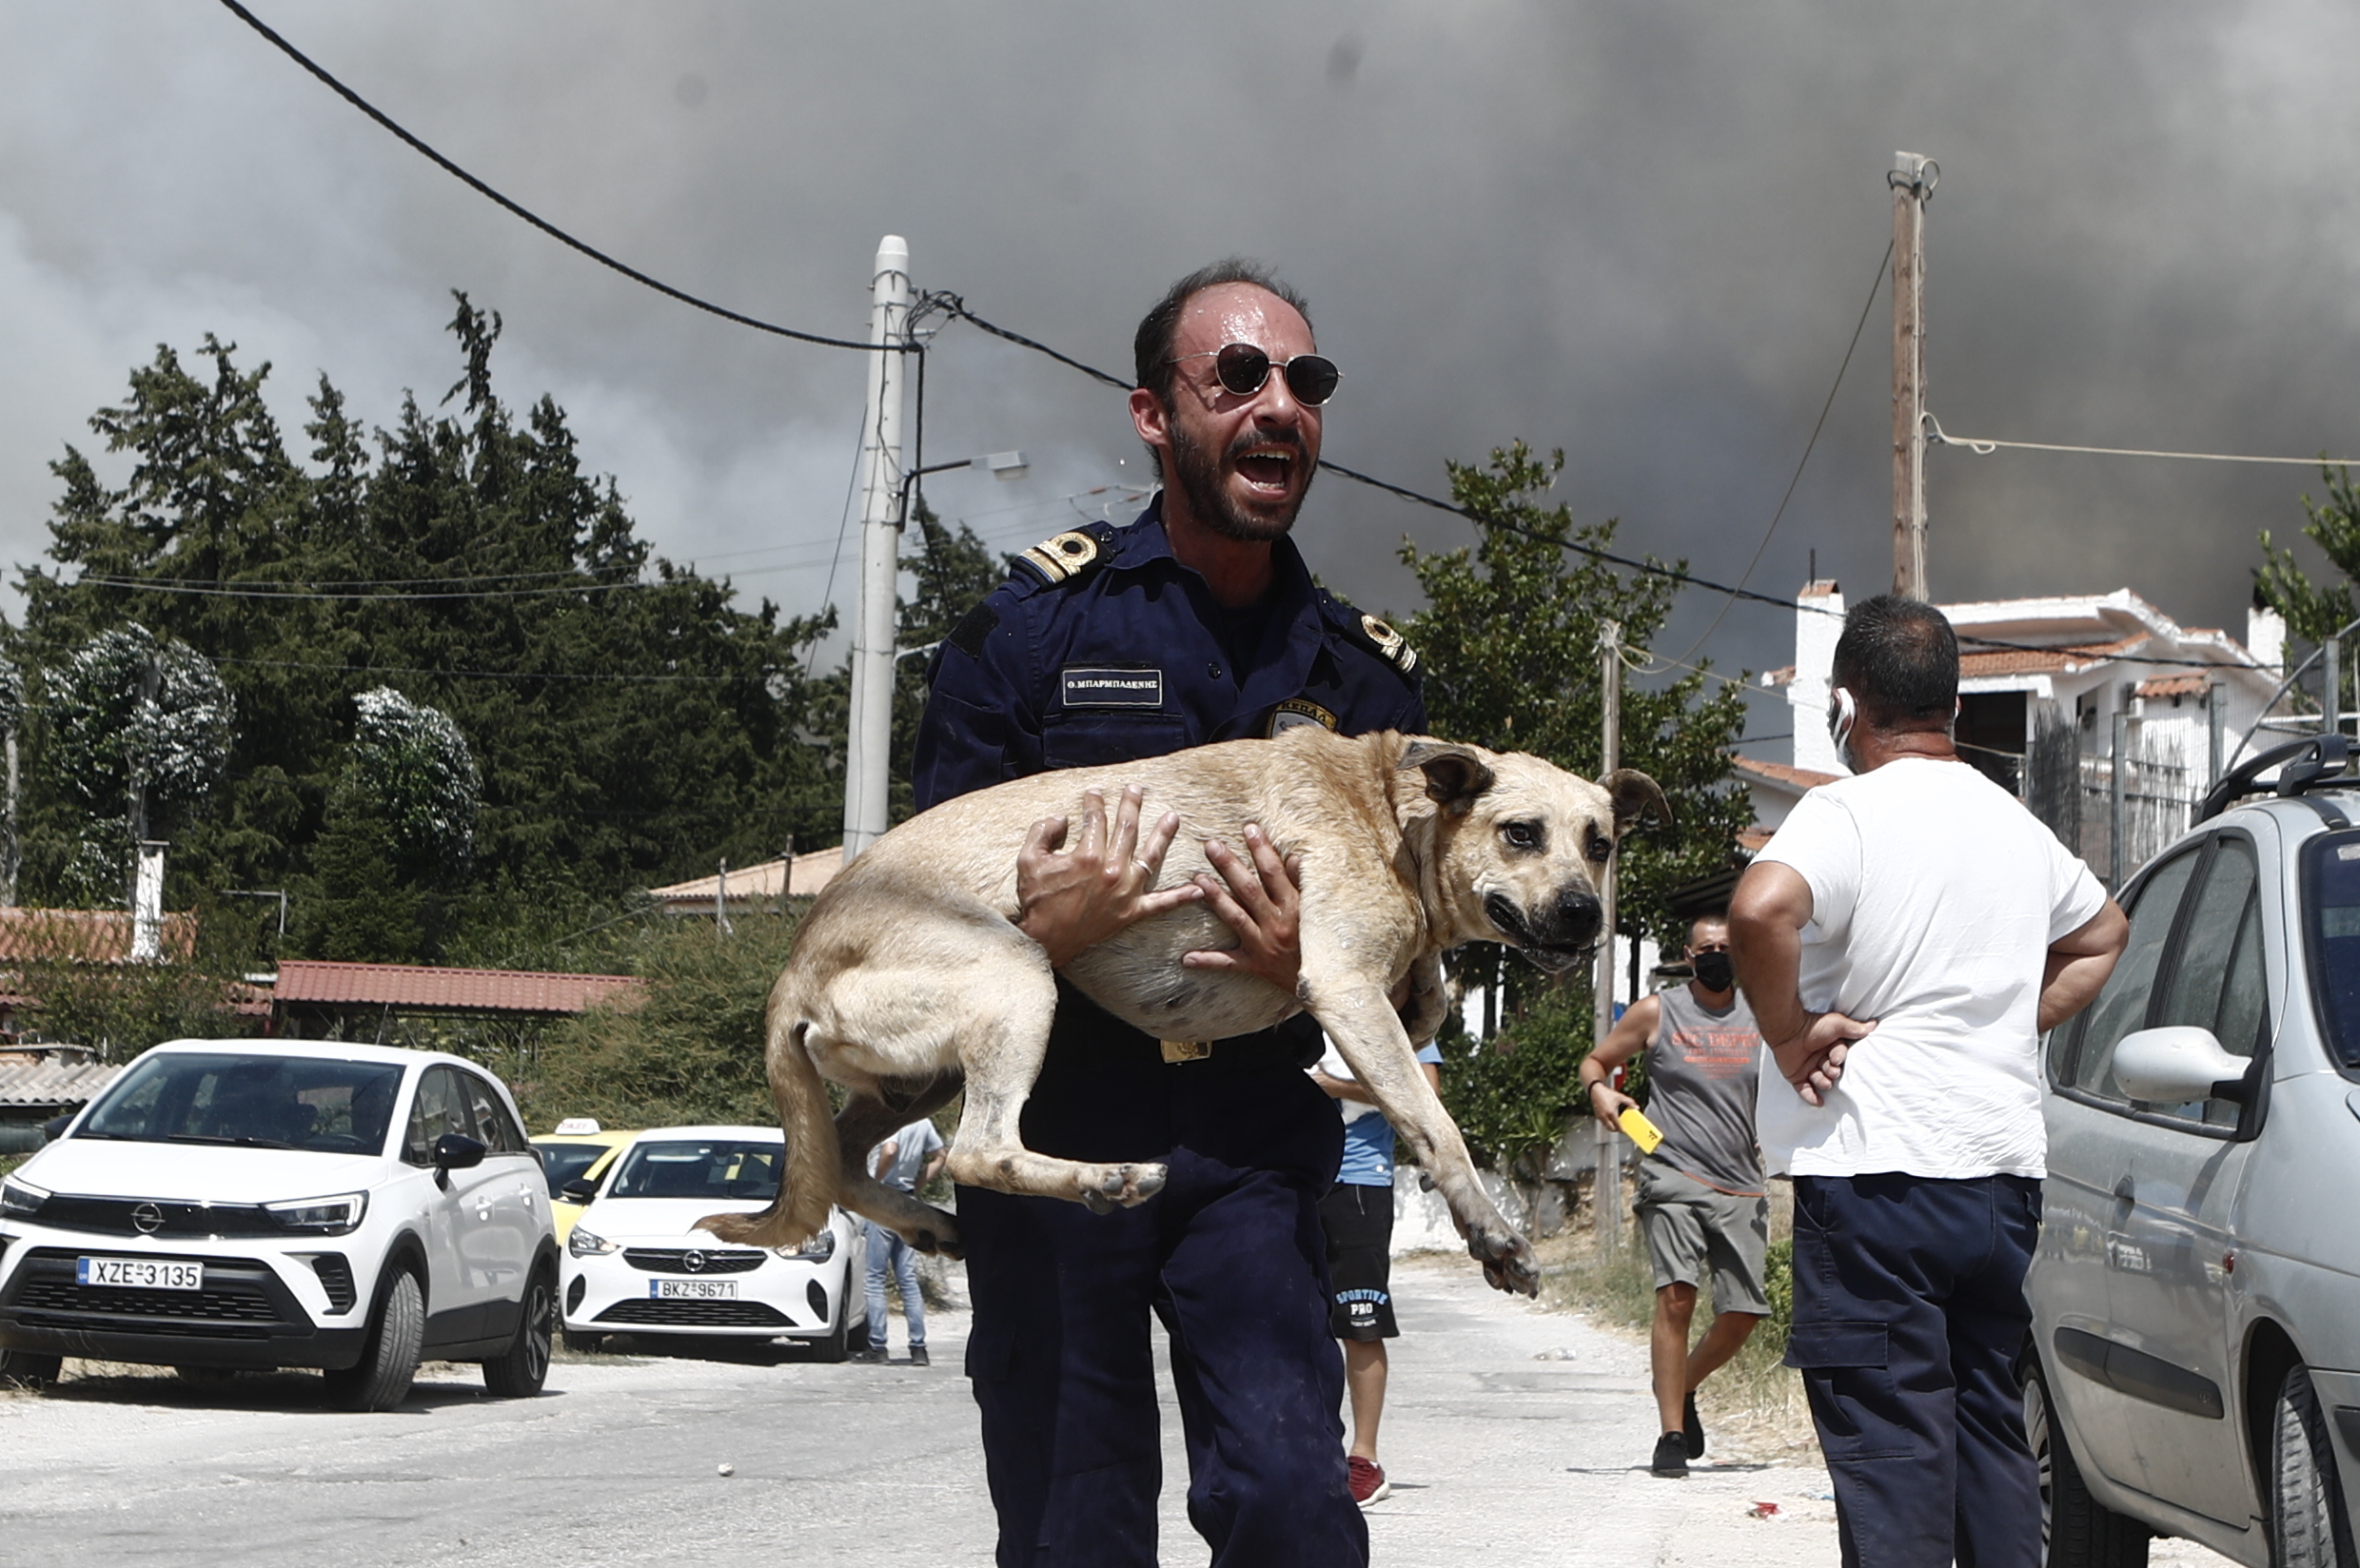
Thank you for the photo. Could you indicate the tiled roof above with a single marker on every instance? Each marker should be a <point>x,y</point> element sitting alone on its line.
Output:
<point>85,936</point>
<point>47,1084</point>
<point>2024,662</point>
<point>464,990</point>
<point>2175,686</point>
<point>1778,772</point>
<point>810,873</point>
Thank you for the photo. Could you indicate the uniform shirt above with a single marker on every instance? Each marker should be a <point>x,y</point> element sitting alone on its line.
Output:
<point>1935,897</point>
<point>1102,648</point>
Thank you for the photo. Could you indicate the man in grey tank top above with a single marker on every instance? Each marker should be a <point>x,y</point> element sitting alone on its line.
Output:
<point>1700,1194</point>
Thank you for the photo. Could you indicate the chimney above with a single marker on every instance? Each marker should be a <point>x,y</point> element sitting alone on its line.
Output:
<point>148,906</point>
<point>2264,639</point>
<point>1819,621</point>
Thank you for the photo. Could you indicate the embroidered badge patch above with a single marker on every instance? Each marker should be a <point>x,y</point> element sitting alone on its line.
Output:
<point>1297,711</point>
<point>1083,688</point>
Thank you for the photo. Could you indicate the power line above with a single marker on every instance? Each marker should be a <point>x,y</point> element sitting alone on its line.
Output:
<point>216,589</point>
<point>535,219</point>
<point>1984,448</point>
<point>1866,305</point>
<point>493,675</point>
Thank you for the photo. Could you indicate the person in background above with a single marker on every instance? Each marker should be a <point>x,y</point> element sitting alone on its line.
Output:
<point>1357,1213</point>
<point>1905,939</point>
<point>1702,1202</point>
<point>905,1161</point>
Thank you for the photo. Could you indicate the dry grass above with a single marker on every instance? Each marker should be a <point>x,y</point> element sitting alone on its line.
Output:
<point>1753,1408</point>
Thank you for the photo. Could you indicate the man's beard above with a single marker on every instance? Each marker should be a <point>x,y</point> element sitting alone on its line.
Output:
<point>1198,475</point>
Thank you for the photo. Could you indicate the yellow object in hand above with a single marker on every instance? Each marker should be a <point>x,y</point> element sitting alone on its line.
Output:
<point>1640,1130</point>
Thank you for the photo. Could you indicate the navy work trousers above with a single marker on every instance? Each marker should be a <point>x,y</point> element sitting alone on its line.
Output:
<point>1229,1255</point>
<point>1909,1316</point>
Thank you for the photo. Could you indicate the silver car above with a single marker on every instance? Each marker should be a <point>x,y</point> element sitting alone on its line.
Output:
<point>2194,1365</point>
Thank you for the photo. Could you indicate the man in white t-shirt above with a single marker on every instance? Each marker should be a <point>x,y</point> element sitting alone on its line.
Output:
<point>1905,939</point>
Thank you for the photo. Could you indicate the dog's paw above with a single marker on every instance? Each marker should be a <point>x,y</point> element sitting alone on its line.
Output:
<point>1106,1188</point>
<point>1507,1260</point>
<point>939,1236</point>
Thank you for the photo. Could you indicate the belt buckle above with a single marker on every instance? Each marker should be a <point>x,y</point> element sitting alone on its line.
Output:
<point>1186,1050</point>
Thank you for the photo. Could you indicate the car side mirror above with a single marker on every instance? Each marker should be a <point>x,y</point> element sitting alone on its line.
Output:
<point>2177,1064</point>
<point>455,1151</point>
<point>55,1128</point>
<point>579,1190</point>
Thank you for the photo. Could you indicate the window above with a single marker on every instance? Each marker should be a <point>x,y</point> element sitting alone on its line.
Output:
<point>494,1127</point>
<point>720,1168</point>
<point>2220,982</point>
<point>563,1162</point>
<point>268,1102</point>
<point>440,1109</point>
<point>2121,1008</point>
<point>2331,914</point>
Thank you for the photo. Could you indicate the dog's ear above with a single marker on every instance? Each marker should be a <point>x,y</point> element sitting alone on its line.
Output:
<point>1454,775</point>
<point>1635,796</point>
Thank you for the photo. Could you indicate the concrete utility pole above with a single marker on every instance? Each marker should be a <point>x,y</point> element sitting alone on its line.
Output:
<point>1912,179</point>
<point>1606,1190</point>
<point>2332,686</point>
<point>869,745</point>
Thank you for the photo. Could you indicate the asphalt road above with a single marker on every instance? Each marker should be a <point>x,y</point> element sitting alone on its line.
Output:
<point>1513,1436</point>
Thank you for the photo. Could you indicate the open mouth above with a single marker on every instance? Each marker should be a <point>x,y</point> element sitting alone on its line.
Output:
<point>1269,467</point>
<point>1548,958</point>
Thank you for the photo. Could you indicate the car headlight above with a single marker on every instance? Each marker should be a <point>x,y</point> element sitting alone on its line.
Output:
<point>582,1244</point>
<point>817,1250</point>
<point>337,1216</point>
<point>21,1199</point>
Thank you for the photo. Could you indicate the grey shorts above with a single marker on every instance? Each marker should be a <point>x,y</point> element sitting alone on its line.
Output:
<point>1689,1226</point>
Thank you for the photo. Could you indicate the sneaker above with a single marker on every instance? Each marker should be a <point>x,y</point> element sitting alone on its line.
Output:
<point>1692,1428</point>
<point>917,1355</point>
<point>1671,1454</point>
<point>869,1354</point>
<point>1367,1479</point>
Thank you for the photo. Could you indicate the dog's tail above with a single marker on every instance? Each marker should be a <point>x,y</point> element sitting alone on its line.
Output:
<point>807,1187</point>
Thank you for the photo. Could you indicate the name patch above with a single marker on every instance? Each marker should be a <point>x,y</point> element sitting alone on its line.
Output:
<point>1111,688</point>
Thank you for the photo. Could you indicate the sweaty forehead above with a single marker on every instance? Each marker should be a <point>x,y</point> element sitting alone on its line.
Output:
<point>1241,313</point>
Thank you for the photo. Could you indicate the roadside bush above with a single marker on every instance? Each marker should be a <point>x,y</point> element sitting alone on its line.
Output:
<point>689,1049</point>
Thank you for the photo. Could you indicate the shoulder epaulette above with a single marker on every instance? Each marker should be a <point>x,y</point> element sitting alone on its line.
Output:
<point>1070,557</point>
<point>1373,634</point>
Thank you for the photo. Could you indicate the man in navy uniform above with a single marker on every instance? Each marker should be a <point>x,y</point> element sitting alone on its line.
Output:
<point>1198,622</point>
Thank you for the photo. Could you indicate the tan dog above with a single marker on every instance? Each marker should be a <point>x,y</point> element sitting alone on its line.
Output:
<point>909,967</point>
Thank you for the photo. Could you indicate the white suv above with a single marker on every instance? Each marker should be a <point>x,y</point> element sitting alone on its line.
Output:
<point>246,1204</point>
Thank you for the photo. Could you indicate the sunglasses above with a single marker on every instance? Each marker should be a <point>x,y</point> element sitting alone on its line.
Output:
<point>1243,369</point>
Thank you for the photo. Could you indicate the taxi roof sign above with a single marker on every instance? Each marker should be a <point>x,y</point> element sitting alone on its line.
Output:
<point>576,1127</point>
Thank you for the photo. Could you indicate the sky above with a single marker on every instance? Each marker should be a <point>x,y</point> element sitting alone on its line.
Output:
<point>1640,232</point>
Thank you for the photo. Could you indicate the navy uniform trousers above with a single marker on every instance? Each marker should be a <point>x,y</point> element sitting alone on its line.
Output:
<point>1909,1316</point>
<point>1229,1255</point>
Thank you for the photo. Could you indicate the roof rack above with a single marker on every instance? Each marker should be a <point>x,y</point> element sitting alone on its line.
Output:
<point>2319,762</point>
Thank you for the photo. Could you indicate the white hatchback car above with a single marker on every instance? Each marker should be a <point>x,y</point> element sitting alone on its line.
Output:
<point>250,1203</point>
<point>635,1265</point>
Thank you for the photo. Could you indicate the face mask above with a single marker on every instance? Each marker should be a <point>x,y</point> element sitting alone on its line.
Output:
<point>1713,971</point>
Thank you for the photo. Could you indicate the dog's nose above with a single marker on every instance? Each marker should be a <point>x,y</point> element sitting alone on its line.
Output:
<point>1577,917</point>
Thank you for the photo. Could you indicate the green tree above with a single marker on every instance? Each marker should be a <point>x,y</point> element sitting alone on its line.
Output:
<point>1509,641</point>
<point>628,721</point>
<point>2315,611</point>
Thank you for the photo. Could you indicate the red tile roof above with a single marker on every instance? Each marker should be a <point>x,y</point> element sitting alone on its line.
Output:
<point>2020,662</point>
<point>466,990</point>
<point>1778,772</point>
<point>2175,686</point>
<point>85,936</point>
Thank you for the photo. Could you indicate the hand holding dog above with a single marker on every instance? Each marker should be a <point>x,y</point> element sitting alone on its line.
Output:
<point>1070,901</point>
<point>1261,903</point>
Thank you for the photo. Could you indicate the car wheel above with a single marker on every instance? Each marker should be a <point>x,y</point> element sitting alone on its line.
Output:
<point>833,1347</point>
<point>2076,1530</point>
<point>26,1369</point>
<point>518,1372</point>
<point>2309,1527</point>
<point>857,1330</point>
<point>388,1361</point>
<point>584,1344</point>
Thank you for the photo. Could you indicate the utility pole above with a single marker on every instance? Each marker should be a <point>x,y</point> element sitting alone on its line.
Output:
<point>869,742</point>
<point>2216,728</point>
<point>2332,686</point>
<point>1912,179</point>
<point>2117,802</point>
<point>1606,1190</point>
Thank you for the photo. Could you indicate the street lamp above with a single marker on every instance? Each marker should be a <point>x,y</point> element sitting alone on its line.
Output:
<point>869,742</point>
<point>1000,465</point>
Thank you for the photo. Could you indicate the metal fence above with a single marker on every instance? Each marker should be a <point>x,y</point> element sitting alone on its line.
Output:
<point>2074,796</point>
